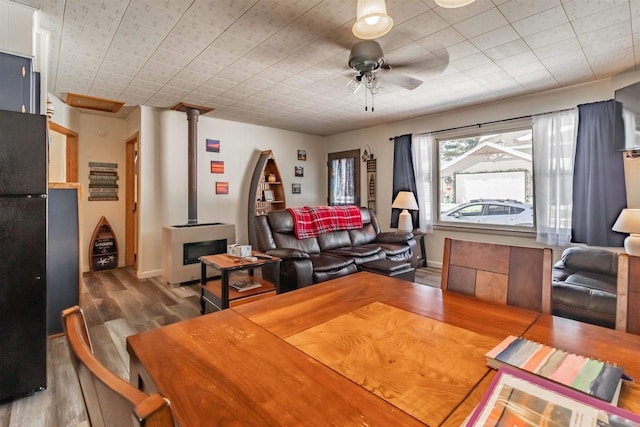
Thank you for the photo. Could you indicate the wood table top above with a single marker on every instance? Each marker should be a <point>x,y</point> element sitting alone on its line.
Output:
<point>364,349</point>
<point>227,262</point>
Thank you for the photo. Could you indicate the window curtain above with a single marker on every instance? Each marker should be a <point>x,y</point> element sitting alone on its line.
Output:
<point>599,192</point>
<point>422,151</point>
<point>554,142</point>
<point>629,117</point>
<point>342,182</point>
<point>403,176</point>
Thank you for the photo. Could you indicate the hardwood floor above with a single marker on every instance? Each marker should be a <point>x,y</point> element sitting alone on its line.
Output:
<point>116,304</point>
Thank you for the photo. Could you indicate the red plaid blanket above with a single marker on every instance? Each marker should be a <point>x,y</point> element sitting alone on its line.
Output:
<point>313,221</point>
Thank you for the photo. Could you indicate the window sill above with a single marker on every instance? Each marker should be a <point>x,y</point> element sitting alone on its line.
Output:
<point>496,231</point>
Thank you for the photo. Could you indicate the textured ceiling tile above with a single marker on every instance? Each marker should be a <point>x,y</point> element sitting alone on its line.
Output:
<point>471,61</point>
<point>540,22</point>
<point>579,8</point>
<point>553,35</point>
<point>617,15</point>
<point>506,50</point>
<point>482,70</point>
<point>557,48</point>
<point>480,24</point>
<point>455,15</point>
<point>441,39</point>
<point>496,37</point>
<point>515,10</point>
<point>458,51</point>
<point>423,25</point>
<point>607,35</point>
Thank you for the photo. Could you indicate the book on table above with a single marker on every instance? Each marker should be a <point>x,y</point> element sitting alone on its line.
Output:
<point>244,284</point>
<point>516,397</point>
<point>591,376</point>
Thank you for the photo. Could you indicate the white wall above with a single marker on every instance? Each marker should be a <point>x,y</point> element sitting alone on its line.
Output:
<point>101,139</point>
<point>378,139</point>
<point>57,157</point>
<point>163,174</point>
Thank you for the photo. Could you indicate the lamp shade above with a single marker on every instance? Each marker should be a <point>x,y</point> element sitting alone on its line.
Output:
<point>405,200</point>
<point>373,21</point>
<point>450,4</point>
<point>629,222</point>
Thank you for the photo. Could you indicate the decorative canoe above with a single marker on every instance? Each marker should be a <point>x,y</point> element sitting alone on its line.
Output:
<point>103,251</point>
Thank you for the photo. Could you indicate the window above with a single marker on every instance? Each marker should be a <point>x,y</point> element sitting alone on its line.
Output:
<point>344,178</point>
<point>487,179</point>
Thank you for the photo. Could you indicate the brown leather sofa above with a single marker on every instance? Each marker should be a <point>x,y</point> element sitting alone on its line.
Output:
<point>585,284</point>
<point>330,255</point>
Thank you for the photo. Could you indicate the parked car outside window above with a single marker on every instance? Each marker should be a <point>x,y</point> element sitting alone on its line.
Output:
<point>498,212</point>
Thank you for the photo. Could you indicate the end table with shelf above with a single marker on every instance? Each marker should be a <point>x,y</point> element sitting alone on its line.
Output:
<point>218,292</point>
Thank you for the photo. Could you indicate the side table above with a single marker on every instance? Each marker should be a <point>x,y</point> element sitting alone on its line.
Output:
<point>419,236</point>
<point>220,294</point>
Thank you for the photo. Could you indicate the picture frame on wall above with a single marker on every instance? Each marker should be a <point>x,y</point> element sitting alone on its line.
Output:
<point>268,195</point>
<point>213,145</point>
<point>302,155</point>
<point>222,188</point>
<point>299,171</point>
<point>296,188</point>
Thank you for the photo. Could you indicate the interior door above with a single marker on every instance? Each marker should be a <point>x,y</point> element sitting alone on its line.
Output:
<point>343,178</point>
<point>131,203</point>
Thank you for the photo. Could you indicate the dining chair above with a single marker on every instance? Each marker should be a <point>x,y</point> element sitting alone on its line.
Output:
<point>110,400</point>
<point>512,275</point>
<point>628,294</point>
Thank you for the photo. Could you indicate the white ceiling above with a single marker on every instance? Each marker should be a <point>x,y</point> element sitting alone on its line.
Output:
<point>281,63</point>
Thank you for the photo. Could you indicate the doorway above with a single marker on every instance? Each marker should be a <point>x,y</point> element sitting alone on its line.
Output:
<point>343,178</point>
<point>131,202</point>
<point>65,149</point>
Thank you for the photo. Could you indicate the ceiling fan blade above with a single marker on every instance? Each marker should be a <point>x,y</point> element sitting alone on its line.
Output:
<point>402,80</point>
<point>433,63</point>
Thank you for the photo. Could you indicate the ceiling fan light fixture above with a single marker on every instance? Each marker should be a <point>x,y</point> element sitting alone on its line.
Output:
<point>451,4</point>
<point>373,21</point>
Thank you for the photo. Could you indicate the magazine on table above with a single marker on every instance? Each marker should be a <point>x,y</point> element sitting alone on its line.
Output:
<point>244,284</point>
<point>518,398</point>
<point>591,376</point>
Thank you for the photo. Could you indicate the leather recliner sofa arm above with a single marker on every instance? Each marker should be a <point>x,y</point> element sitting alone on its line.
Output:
<point>394,237</point>
<point>287,253</point>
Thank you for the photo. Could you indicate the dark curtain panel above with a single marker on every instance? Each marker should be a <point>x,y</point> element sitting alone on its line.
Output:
<point>403,177</point>
<point>599,192</point>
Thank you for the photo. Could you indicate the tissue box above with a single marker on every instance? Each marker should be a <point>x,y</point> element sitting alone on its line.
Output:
<point>239,250</point>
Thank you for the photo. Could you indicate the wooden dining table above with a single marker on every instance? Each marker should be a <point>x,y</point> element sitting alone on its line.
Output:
<point>364,349</point>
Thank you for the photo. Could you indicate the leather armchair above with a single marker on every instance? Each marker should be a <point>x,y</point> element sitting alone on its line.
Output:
<point>585,285</point>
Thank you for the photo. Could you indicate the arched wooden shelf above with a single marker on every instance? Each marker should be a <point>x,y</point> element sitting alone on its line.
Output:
<point>260,183</point>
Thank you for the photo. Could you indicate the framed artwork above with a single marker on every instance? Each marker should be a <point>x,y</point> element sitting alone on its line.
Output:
<point>299,171</point>
<point>296,188</point>
<point>217,166</point>
<point>268,196</point>
<point>213,145</point>
<point>222,188</point>
<point>302,155</point>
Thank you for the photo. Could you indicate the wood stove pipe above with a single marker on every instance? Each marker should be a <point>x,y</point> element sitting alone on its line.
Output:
<point>193,112</point>
<point>192,138</point>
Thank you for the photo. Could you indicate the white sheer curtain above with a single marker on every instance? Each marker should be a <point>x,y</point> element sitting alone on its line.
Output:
<point>422,152</point>
<point>629,118</point>
<point>554,146</point>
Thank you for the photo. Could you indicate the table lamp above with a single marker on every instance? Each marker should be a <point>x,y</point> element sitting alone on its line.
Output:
<point>405,200</point>
<point>629,222</point>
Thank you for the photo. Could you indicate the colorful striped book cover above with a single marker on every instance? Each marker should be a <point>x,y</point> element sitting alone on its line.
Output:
<point>594,377</point>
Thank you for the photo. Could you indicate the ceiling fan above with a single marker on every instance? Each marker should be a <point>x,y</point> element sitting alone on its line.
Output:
<point>366,58</point>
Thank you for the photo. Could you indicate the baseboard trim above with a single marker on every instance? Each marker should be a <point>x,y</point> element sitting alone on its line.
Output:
<point>148,274</point>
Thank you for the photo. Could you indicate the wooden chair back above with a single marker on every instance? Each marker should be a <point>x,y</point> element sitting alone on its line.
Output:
<point>628,294</point>
<point>110,400</point>
<point>511,275</point>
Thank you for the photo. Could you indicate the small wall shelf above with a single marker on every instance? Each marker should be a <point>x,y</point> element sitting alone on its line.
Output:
<point>258,205</point>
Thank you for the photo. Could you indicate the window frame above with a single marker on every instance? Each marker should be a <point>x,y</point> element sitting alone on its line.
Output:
<point>473,131</point>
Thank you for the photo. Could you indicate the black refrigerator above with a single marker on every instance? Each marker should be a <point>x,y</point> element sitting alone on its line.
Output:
<point>23,253</point>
